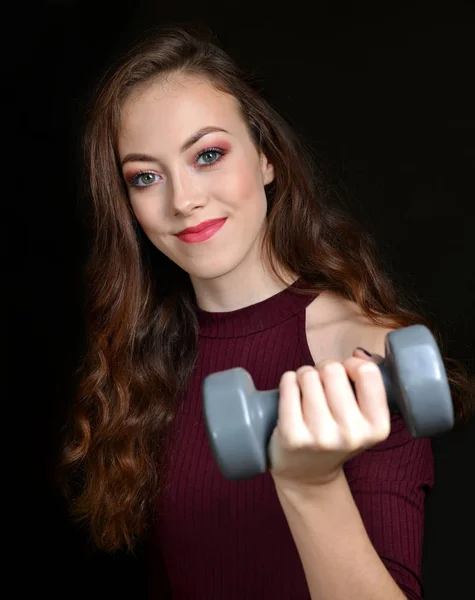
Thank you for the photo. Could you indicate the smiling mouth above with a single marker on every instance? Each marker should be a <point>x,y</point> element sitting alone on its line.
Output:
<point>202,235</point>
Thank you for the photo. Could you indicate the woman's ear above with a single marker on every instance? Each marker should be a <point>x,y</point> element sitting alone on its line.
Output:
<point>267,170</point>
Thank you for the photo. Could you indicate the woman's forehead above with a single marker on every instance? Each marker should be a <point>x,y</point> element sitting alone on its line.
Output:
<point>178,109</point>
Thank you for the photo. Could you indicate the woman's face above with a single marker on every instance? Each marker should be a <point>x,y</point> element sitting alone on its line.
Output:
<point>180,171</point>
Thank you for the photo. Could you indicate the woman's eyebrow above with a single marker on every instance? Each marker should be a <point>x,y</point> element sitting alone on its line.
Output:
<point>134,157</point>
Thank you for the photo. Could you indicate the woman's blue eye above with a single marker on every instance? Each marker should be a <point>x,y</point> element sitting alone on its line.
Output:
<point>147,178</point>
<point>143,179</point>
<point>210,156</point>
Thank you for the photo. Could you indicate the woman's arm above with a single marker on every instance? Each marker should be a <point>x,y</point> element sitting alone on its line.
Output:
<point>359,536</point>
<point>338,558</point>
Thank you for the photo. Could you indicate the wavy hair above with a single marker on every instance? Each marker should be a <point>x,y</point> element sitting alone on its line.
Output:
<point>139,312</point>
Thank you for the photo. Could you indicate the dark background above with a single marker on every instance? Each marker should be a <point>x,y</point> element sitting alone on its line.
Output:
<point>386,96</point>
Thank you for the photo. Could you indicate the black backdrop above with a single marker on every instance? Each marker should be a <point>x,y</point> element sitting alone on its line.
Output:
<point>386,97</point>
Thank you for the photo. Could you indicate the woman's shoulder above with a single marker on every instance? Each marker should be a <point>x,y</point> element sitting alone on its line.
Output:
<point>335,326</point>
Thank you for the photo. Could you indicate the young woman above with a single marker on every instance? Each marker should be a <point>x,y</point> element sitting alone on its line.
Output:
<point>216,245</point>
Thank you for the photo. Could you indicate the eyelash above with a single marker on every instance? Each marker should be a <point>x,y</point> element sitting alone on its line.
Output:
<point>134,180</point>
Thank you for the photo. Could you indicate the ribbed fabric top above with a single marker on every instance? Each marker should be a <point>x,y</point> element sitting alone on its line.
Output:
<point>229,540</point>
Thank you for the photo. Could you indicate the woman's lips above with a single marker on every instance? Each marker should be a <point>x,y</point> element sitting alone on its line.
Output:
<point>204,234</point>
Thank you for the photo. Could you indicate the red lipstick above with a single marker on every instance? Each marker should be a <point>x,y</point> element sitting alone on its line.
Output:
<point>201,232</point>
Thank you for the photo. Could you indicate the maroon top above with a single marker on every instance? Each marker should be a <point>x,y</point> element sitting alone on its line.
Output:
<point>230,540</point>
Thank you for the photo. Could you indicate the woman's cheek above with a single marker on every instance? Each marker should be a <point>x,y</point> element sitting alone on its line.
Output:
<point>145,216</point>
<point>238,185</point>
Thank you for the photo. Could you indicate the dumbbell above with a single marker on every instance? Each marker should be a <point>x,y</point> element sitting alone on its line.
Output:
<point>239,420</point>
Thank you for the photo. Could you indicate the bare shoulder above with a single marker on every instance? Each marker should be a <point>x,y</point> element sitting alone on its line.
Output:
<point>335,326</point>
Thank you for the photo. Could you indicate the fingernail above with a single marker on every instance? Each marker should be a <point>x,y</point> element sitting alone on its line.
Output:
<point>365,351</point>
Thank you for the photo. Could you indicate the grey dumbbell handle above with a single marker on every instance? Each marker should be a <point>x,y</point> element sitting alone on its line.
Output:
<point>265,407</point>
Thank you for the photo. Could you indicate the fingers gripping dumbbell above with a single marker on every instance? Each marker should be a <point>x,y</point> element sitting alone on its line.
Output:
<point>240,420</point>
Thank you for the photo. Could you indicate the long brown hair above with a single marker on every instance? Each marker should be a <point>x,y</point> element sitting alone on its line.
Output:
<point>141,326</point>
